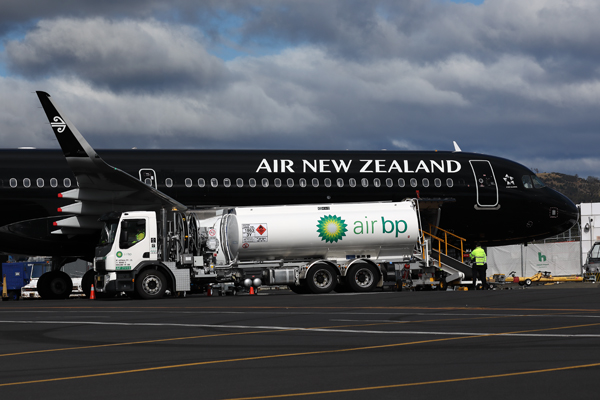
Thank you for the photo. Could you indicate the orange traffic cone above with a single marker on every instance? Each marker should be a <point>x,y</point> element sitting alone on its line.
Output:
<point>209,291</point>
<point>92,293</point>
<point>252,290</point>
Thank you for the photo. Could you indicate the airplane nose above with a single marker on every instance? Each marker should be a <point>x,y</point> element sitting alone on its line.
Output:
<point>564,210</point>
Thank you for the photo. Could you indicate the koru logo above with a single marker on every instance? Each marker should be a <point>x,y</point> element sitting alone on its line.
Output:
<point>59,124</point>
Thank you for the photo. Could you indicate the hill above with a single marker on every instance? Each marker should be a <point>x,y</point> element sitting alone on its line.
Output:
<point>579,190</point>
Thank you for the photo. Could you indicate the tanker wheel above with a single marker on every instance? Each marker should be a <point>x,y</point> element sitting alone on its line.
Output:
<point>87,281</point>
<point>300,289</point>
<point>321,278</point>
<point>55,285</point>
<point>362,277</point>
<point>150,284</point>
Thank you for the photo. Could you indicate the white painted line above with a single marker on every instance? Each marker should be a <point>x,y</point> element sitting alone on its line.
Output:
<point>329,330</point>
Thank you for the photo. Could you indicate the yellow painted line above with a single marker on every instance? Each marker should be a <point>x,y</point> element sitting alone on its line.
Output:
<point>281,356</point>
<point>399,385</point>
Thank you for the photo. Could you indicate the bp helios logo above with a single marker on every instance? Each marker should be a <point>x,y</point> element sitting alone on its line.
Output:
<point>331,228</point>
<point>119,254</point>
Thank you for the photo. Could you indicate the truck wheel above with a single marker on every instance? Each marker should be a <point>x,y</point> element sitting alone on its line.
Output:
<point>321,278</point>
<point>362,277</point>
<point>55,285</point>
<point>300,289</point>
<point>150,284</point>
<point>87,281</point>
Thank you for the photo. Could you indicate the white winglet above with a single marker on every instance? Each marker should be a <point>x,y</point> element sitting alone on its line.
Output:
<point>456,148</point>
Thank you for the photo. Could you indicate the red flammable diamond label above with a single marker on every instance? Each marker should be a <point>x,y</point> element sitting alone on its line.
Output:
<point>261,229</point>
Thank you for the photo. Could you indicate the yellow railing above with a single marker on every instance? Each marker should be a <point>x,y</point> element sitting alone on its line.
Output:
<point>446,242</point>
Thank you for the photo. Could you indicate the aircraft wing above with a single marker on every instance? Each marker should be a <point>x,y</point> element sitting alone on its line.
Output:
<point>101,188</point>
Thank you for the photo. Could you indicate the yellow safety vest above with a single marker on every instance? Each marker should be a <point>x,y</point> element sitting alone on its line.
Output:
<point>479,255</point>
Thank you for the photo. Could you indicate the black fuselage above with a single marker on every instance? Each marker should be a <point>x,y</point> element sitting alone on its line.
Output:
<point>484,198</point>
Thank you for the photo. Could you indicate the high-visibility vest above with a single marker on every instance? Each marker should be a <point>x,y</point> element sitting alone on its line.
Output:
<point>479,255</point>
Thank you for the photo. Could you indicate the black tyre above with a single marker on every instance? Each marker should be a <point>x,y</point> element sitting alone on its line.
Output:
<point>55,285</point>
<point>321,278</point>
<point>443,285</point>
<point>362,277</point>
<point>300,289</point>
<point>87,281</point>
<point>150,284</point>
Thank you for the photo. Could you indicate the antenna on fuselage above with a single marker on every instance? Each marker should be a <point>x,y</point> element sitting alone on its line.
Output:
<point>456,148</point>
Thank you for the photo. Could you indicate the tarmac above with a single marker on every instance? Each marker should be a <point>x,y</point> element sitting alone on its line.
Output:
<point>536,342</point>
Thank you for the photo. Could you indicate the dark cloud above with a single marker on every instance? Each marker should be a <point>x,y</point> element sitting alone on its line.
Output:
<point>122,55</point>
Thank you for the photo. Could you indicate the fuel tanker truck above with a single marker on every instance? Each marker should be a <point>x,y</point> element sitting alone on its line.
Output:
<point>310,248</point>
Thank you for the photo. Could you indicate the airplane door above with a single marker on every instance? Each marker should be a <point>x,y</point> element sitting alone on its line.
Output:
<point>486,187</point>
<point>148,176</point>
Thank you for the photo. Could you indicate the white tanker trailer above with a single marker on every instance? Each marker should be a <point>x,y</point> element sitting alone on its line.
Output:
<point>310,248</point>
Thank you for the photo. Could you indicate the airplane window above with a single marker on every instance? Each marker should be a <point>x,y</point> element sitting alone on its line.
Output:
<point>413,182</point>
<point>352,182</point>
<point>425,182</point>
<point>376,182</point>
<point>277,182</point>
<point>239,182</point>
<point>39,182</point>
<point>327,182</point>
<point>364,182</point>
<point>302,182</point>
<point>188,182</point>
<point>214,182</point>
<point>201,182</point>
<point>315,182</point>
<point>13,182</point>
<point>265,182</point>
<point>226,182</point>
<point>54,182</point>
<point>67,182</point>
<point>389,182</point>
<point>148,181</point>
<point>401,182</point>
<point>537,182</point>
<point>26,182</point>
<point>169,182</point>
<point>437,182</point>
<point>290,182</point>
<point>252,182</point>
<point>527,182</point>
<point>449,182</point>
<point>340,182</point>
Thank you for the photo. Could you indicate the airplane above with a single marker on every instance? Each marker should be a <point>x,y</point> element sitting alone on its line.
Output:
<point>51,200</point>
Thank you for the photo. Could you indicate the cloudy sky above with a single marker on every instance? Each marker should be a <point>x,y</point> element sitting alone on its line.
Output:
<point>513,78</point>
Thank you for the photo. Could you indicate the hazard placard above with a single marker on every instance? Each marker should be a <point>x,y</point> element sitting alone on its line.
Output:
<point>255,233</point>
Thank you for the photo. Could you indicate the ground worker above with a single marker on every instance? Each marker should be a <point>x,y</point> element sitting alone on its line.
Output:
<point>479,265</point>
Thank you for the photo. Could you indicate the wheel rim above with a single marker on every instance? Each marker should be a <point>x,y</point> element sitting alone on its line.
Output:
<point>322,278</point>
<point>364,277</point>
<point>151,285</point>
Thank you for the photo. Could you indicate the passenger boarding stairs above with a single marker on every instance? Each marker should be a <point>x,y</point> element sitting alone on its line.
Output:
<point>447,253</point>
